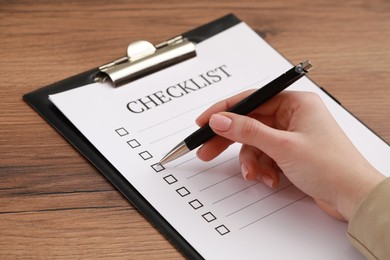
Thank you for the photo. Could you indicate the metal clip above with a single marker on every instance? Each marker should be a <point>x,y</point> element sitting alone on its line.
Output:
<point>144,58</point>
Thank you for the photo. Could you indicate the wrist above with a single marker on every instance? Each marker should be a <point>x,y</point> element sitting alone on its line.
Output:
<point>357,189</point>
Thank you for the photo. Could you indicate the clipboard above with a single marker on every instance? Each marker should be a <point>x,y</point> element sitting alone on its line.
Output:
<point>39,101</point>
<point>142,59</point>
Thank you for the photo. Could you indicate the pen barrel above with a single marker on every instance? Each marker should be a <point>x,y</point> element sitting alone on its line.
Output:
<point>199,137</point>
<point>248,104</point>
<point>265,93</point>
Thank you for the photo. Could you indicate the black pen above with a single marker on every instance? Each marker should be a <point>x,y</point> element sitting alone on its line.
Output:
<point>243,107</point>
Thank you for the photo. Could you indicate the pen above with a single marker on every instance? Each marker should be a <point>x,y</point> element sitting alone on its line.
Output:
<point>243,107</point>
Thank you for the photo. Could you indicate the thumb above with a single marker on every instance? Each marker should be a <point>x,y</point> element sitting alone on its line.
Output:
<point>246,130</point>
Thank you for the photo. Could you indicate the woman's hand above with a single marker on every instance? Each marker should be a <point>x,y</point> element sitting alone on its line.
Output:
<point>294,134</point>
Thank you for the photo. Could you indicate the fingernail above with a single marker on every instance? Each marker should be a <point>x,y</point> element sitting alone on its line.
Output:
<point>268,181</point>
<point>197,121</point>
<point>244,171</point>
<point>198,151</point>
<point>220,122</point>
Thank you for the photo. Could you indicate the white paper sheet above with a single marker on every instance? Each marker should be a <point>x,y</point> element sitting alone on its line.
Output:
<point>219,213</point>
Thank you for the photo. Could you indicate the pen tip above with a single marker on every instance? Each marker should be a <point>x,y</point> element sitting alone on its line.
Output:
<point>178,151</point>
<point>162,161</point>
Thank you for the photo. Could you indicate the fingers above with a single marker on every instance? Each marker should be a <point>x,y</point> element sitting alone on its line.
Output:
<point>249,131</point>
<point>268,173</point>
<point>265,114</point>
<point>257,165</point>
<point>254,163</point>
<point>249,161</point>
<point>213,148</point>
<point>264,143</point>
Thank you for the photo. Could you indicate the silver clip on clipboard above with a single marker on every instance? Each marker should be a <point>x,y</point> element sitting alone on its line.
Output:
<point>144,58</point>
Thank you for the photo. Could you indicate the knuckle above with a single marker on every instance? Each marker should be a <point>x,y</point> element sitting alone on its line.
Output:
<point>291,144</point>
<point>285,142</point>
<point>311,97</point>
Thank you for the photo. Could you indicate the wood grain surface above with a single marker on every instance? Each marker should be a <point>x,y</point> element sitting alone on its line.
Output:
<point>53,203</point>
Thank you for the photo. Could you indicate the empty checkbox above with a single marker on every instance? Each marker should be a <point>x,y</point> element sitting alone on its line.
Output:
<point>196,204</point>
<point>145,155</point>
<point>222,230</point>
<point>133,143</point>
<point>121,131</point>
<point>170,179</point>
<point>183,191</point>
<point>209,217</point>
<point>157,167</point>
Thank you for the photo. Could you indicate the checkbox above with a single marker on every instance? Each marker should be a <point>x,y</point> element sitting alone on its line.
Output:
<point>209,217</point>
<point>222,230</point>
<point>183,191</point>
<point>157,167</point>
<point>121,131</point>
<point>145,155</point>
<point>133,143</point>
<point>170,179</point>
<point>196,204</point>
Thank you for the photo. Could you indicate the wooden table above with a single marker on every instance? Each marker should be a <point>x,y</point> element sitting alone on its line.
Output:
<point>53,203</point>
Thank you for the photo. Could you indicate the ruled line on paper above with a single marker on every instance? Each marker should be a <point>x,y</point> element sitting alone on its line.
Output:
<point>215,166</point>
<point>257,201</point>
<point>219,182</point>
<point>235,193</point>
<point>171,134</point>
<point>271,213</point>
<point>169,119</point>
<point>180,164</point>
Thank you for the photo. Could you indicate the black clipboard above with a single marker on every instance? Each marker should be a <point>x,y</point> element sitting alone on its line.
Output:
<point>39,101</point>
